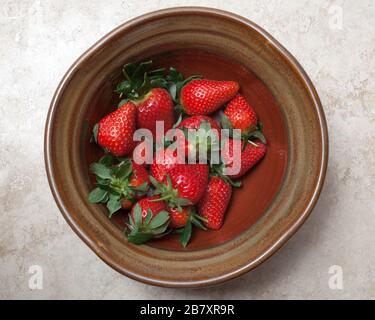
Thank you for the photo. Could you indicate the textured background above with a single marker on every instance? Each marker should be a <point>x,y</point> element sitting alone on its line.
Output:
<point>40,39</point>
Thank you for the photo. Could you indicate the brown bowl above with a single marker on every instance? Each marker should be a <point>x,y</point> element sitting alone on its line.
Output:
<point>277,196</point>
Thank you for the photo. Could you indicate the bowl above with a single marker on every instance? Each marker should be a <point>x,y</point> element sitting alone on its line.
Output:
<point>277,196</point>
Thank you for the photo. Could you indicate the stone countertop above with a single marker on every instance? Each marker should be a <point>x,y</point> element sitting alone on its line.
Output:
<point>41,39</point>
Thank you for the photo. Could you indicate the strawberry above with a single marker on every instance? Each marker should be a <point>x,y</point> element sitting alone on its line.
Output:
<point>204,97</point>
<point>183,220</point>
<point>146,205</point>
<point>148,220</point>
<point>241,114</point>
<point>145,89</point>
<point>115,131</point>
<point>200,140</point>
<point>160,170</point>
<point>118,185</point>
<point>251,154</point>
<point>196,121</point>
<point>157,105</point>
<point>214,203</point>
<point>184,185</point>
<point>138,179</point>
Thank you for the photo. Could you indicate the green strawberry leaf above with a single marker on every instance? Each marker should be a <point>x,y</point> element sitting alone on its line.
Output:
<point>107,160</point>
<point>97,195</point>
<point>100,170</point>
<point>139,238</point>
<point>160,219</point>
<point>123,88</point>
<point>124,170</point>
<point>183,202</point>
<point>196,221</point>
<point>258,135</point>
<point>142,189</point>
<point>161,231</point>
<point>137,215</point>
<point>225,122</point>
<point>128,70</point>
<point>219,171</point>
<point>186,234</point>
<point>173,91</point>
<point>95,132</point>
<point>148,217</point>
<point>132,223</point>
<point>178,122</point>
<point>114,204</point>
<point>122,102</point>
<point>157,73</point>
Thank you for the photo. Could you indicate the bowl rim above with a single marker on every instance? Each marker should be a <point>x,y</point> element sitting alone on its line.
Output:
<point>281,241</point>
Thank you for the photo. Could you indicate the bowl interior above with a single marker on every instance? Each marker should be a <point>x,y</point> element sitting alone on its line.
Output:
<point>278,195</point>
<point>259,187</point>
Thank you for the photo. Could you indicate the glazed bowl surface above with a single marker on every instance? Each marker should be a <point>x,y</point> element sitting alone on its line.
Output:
<point>277,196</point>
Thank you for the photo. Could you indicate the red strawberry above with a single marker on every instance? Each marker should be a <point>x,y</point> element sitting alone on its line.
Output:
<point>118,185</point>
<point>160,170</point>
<point>144,88</point>
<point>241,114</point>
<point>139,176</point>
<point>179,218</point>
<point>200,141</point>
<point>184,185</point>
<point>203,97</point>
<point>214,203</point>
<point>157,105</point>
<point>148,220</point>
<point>138,180</point>
<point>183,220</point>
<point>196,121</point>
<point>147,204</point>
<point>250,156</point>
<point>115,131</point>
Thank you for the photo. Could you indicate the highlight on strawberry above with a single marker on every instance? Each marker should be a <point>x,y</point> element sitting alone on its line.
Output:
<point>172,195</point>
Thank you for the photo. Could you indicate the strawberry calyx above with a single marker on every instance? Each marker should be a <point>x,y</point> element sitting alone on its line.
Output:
<point>248,136</point>
<point>169,194</point>
<point>185,230</point>
<point>113,183</point>
<point>218,170</point>
<point>141,230</point>
<point>176,82</point>
<point>139,80</point>
<point>204,139</point>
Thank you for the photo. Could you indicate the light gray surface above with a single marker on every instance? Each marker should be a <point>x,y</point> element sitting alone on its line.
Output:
<point>39,40</point>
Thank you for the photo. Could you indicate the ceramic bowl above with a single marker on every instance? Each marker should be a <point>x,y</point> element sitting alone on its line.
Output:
<point>278,195</point>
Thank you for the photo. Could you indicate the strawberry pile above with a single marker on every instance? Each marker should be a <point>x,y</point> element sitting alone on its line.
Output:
<point>169,195</point>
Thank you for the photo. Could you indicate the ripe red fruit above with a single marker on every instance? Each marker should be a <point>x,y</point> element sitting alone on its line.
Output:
<point>160,170</point>
<point>179,218</point>
<point>250,156</point>
<point>139,176</point>
<point>241,114</point>
<point>115,131</point>
<point>190,180</point>
<point>215,202</point>
<point>147,204</point>
<point>157,105</point>
<point>184,184</point>
<point>201,140</point>
<point>183,220</point>
<point>147,220</point>
<point>203,97</point>
<point>196,121</point>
